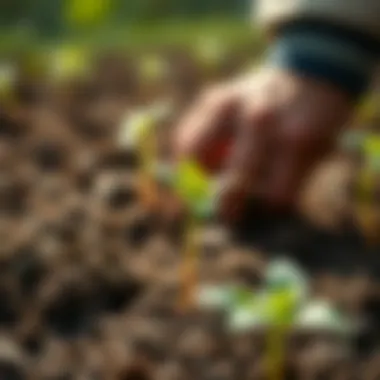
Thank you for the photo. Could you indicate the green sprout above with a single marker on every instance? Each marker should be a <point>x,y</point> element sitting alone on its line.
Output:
<point>186,179</point>
<point>276,305</point>
<point>275,308</point>
<point>320,315</point>
<point>195,189</point>
<point>286,291</point>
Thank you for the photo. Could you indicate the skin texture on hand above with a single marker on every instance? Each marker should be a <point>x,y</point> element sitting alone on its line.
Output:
<point>264,133</point>
<point>325,198</point>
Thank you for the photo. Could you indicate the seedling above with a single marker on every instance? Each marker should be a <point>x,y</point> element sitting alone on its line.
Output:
<point>287,286</point>
<point>139,132</point>
<point>148,148</point>
<point>322,316</point>
<point>186,179</point>
<point>197,192</point>
<point>273,308</point>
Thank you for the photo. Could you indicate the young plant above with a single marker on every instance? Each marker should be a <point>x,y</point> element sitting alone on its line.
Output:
<point>197,191</point>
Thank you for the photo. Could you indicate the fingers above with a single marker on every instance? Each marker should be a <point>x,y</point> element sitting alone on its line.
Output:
<point>203,133</point>
<point>299,148</point>
<point>273,128</point>
<point>252,145</point>
<point>247,162</point>
<point>287,172</point>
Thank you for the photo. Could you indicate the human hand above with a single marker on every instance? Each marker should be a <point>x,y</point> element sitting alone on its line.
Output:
<point>263,133</point>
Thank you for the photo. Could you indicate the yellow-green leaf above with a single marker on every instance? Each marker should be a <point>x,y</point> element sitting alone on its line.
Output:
<point>192,183</point>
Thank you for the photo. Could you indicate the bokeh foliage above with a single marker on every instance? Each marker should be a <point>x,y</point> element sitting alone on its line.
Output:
<point>58,16</point>
<point>35,23</point>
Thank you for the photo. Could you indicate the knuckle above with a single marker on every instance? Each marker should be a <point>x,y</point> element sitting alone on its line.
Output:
<point>258,119</point>
<point>300,138</point>
<point>215,97</point>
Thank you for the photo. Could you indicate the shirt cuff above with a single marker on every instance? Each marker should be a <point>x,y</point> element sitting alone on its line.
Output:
<point>330,54</point>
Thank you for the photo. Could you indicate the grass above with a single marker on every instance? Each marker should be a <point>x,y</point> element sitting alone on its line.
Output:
<point>136,36</point>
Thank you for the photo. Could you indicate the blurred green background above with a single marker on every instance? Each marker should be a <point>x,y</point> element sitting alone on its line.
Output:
<point>127,22</point>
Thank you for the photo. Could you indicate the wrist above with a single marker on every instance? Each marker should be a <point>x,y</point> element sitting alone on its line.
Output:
<point>327,54</point>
